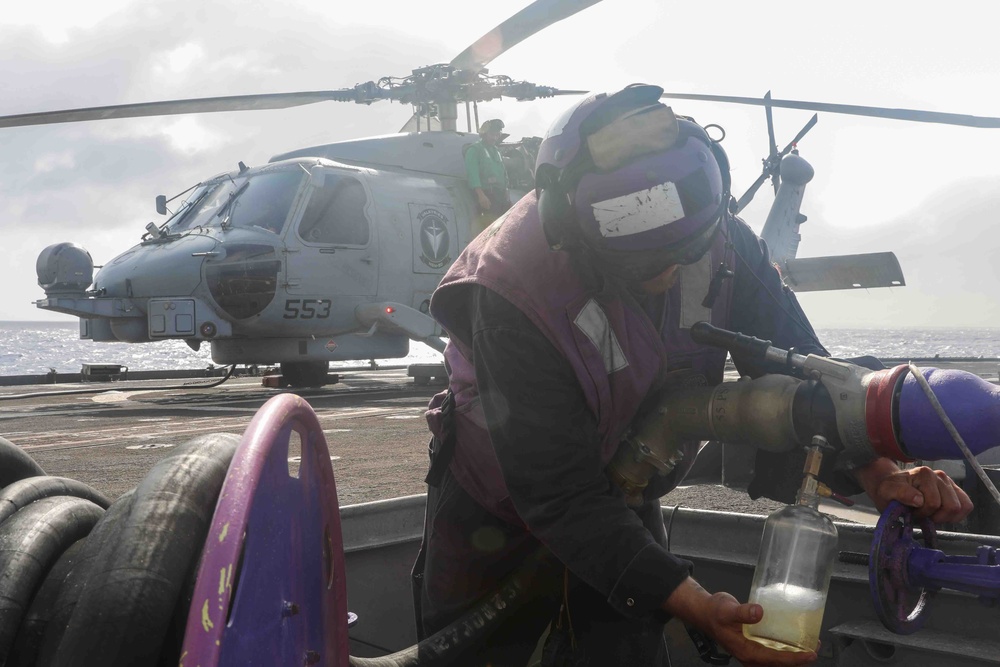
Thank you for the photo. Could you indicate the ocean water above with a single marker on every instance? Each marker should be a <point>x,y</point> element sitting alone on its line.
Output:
<point>36,347</point>
<point>29,348</point>
<point>912,343</point>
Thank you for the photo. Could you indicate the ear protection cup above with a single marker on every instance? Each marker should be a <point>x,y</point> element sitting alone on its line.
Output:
<point>554,208</point>
<point>555,212</point>
<point>719,153</point>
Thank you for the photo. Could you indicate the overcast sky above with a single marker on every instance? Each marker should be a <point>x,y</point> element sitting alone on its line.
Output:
<point>929,193</point>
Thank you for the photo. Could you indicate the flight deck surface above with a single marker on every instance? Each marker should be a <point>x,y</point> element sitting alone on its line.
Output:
<point>373,422</point>
<point>110,436</point>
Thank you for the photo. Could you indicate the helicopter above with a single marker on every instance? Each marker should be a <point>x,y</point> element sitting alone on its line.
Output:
<point>331,252</point>
<point>324,254</point>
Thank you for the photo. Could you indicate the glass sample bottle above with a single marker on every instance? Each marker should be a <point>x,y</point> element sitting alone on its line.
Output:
<point>793,572</point>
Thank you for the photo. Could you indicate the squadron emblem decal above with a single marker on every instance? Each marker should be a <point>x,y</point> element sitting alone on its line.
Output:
<point>434,238</point>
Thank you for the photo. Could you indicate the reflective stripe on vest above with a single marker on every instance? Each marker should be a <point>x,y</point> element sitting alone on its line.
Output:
<point>594,324</point>
<point>695,282</point>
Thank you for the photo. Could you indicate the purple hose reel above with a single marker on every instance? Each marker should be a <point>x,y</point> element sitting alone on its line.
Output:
<point>271,587</point>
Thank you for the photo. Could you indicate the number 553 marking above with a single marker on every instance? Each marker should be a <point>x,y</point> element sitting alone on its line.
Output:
<point>306,309</point>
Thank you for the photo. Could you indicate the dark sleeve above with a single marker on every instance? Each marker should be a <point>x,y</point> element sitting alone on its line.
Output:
<point>765,308</point>
<point>548,446</point>
<point>762,305</point>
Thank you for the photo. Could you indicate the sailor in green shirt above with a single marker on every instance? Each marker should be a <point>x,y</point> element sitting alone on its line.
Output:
<point>487,175</point>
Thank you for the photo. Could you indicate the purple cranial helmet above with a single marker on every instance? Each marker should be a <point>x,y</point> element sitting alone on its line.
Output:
<point>642,189</point>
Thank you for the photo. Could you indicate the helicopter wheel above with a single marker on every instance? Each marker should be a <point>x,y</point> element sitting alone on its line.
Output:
<point>305,373</point>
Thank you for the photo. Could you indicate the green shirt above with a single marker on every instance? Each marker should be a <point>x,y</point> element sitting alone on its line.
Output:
<point>484,167</point>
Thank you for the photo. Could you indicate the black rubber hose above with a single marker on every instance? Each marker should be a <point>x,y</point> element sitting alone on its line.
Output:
<point>26,491</point>
<point>538,576</point>
<point>99,544</point>
<point>123,616</point>
<point>31,542</point>
<point>15,464</point>
<point>24,653</point>
<point>101,390</point>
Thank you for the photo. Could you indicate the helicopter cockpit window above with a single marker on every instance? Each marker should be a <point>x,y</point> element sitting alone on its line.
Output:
<point>205,205</point>
<point>262,201</point>
<point>266,201</point>
<point>336,213</point>
<point>179,220</point>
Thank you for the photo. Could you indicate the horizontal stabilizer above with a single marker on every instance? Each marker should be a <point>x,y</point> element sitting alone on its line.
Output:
<point>814,274</point>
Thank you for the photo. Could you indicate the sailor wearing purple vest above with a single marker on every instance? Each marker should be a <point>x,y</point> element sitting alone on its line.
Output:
<point>565,317</point>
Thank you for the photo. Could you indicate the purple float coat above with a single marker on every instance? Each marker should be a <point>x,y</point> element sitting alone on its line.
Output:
<point>616,351</point>
<point>971,403</point>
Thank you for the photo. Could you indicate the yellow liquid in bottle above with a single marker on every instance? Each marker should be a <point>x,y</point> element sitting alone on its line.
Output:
<point>792,618</point>
<point>770,643</point>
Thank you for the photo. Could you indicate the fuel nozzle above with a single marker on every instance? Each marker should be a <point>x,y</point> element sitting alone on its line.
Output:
<point>809,491</point>
<point>886,412</point>
<point>812,489</point>
<point>750,346</point>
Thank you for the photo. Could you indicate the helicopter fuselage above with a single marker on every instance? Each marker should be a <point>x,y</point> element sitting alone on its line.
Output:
<point>332,253</point>
<point>320,257</point>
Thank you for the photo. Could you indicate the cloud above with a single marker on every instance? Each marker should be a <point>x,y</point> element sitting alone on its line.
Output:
<point>947,245</point>
<point>178,60</point>
<point>52,161</point>
<point>94,183</point>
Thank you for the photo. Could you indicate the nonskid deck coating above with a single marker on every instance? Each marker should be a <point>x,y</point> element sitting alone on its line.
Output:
<point>373,421</point>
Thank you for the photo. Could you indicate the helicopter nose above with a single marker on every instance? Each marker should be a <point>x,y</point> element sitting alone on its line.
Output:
<point>157,270</point>
<point>243,278</point>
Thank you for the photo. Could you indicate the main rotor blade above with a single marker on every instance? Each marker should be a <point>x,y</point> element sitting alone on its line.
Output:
<point>522,25</point>
<point>172,107</point>
<point>853,110</point>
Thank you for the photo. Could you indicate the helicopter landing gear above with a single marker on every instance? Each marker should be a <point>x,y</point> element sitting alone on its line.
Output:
<point>422,374</point>
<point>305,373</point>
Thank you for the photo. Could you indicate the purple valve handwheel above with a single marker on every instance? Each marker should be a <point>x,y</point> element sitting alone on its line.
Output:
<point>271,587</point>
<point>900,605</point>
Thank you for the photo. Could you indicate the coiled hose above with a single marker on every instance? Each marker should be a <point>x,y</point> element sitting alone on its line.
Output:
<point>538,576</point>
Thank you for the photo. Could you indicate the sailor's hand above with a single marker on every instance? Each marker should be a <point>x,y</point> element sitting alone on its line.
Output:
<point>484,201</point>
<point>932,493</point>
<point>721,617</point>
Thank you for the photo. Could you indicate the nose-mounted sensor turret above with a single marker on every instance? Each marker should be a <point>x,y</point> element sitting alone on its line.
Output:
<point>64,269</point>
